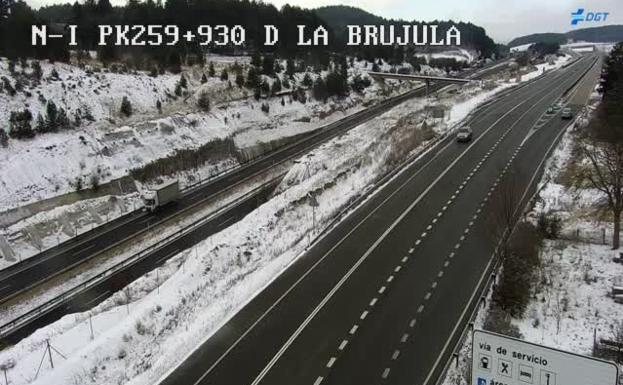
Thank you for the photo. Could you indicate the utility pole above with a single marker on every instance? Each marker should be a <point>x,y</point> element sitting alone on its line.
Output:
<point>48,348</point>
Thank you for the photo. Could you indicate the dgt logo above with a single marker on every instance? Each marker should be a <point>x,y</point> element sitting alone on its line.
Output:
<point>579,16</point>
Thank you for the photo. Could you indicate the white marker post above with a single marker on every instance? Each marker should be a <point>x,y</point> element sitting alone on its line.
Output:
<point>502,360</point>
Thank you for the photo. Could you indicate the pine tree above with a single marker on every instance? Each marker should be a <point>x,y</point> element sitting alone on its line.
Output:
<point>224,74</point>
<point>211,72</point>
<point>204,79</point>
<point>40,126</point>
<point>320,89</point>
<point>51,119</point>
<point>268,65</point>
<point>256,59</point>
<point>239,80</point>
<point>62,121</point>
<point>4,138</point>
<point>276,87</point>
<point>265,87</point>
<point>126,107</point>
<point>307,80</point>
<point>37,73</point>
<point>159,106</point>
<point>20,125</point>
<point>253,79</point>
<point>183,83</point>
<point>203,101</point>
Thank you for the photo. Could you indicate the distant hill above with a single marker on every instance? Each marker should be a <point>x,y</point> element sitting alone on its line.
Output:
<point>339,16</point>
<point>605,34</point>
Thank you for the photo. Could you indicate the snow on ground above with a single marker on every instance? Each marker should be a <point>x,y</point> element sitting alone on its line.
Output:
<point>62,223</point>
<point>224,271</point>
<point>544,67</point>
<point>521,48</point>
<point>50,164</point>
<point>77,89</point>
<point>572,300</point>
<point>460,54</point>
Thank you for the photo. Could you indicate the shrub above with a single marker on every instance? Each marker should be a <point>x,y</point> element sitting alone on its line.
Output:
<point>203,101</point>
<point>520,263</point>
<point>126,107</point>
<point>359,84</point>
<point>239,80</point>
<point>499,321</point>
<point>320,89</point>
<point>20,125</point>
<point>307,80</point>
<point>549,226</point>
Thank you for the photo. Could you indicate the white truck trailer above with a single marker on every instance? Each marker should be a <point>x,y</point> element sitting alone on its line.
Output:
<point>161,195</point>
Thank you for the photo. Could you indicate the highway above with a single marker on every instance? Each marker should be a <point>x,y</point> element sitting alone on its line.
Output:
<point>384,297</point>
<point>28,273</point>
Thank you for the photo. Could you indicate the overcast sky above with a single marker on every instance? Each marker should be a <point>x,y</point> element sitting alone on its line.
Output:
<point>503,19</point>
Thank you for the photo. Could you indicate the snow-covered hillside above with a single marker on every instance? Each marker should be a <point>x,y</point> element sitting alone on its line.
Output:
<point>201,288</point>
<point>51,164</point>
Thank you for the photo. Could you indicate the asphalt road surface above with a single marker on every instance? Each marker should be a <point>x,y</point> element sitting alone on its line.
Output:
<point>384,296</point>
<point>37,269</point>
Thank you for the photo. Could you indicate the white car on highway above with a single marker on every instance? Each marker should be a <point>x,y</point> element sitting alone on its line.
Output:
<point>464,134</point>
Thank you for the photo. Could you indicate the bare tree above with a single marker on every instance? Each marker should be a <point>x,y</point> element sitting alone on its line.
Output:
<point>604,171</point>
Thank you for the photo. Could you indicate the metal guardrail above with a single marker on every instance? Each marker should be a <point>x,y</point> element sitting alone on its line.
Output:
<point>10,327</point>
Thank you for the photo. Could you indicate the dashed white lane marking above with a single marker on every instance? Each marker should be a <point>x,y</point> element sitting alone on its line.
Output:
<point>434,220</point>
<point>353,330</point>
<point>457,245</point>
<point>411,250</point>
<point>390,278</point>
<point>418,242</point>
<point>471,223</point>
<point>451,255</point>
<point>453,197</point>
<point>343,344</point>
<point>331,362</point>
<point>467,230</point>
<point>318,381</point>
<point>373,302</point>
<point>395,355</point>
<point>363,315</point>
<point>427,296</point>
<point>439,214</point>
<point>440,274</point>
<point>405,337</point>
<point>429,227</point>
<point>449,202</point>
<point>444,208</point>
<point>397,269</point>
<point>434,285</point>
<point>412,323</point>
<point>424,235</point>
<point>385,373</point>
<point>419,309</point>
<point>446,263</point>
<point>382,290</point>
<point>405,259</point>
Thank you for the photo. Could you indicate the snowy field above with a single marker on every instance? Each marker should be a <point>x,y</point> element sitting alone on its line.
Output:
<point>206,285</point>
